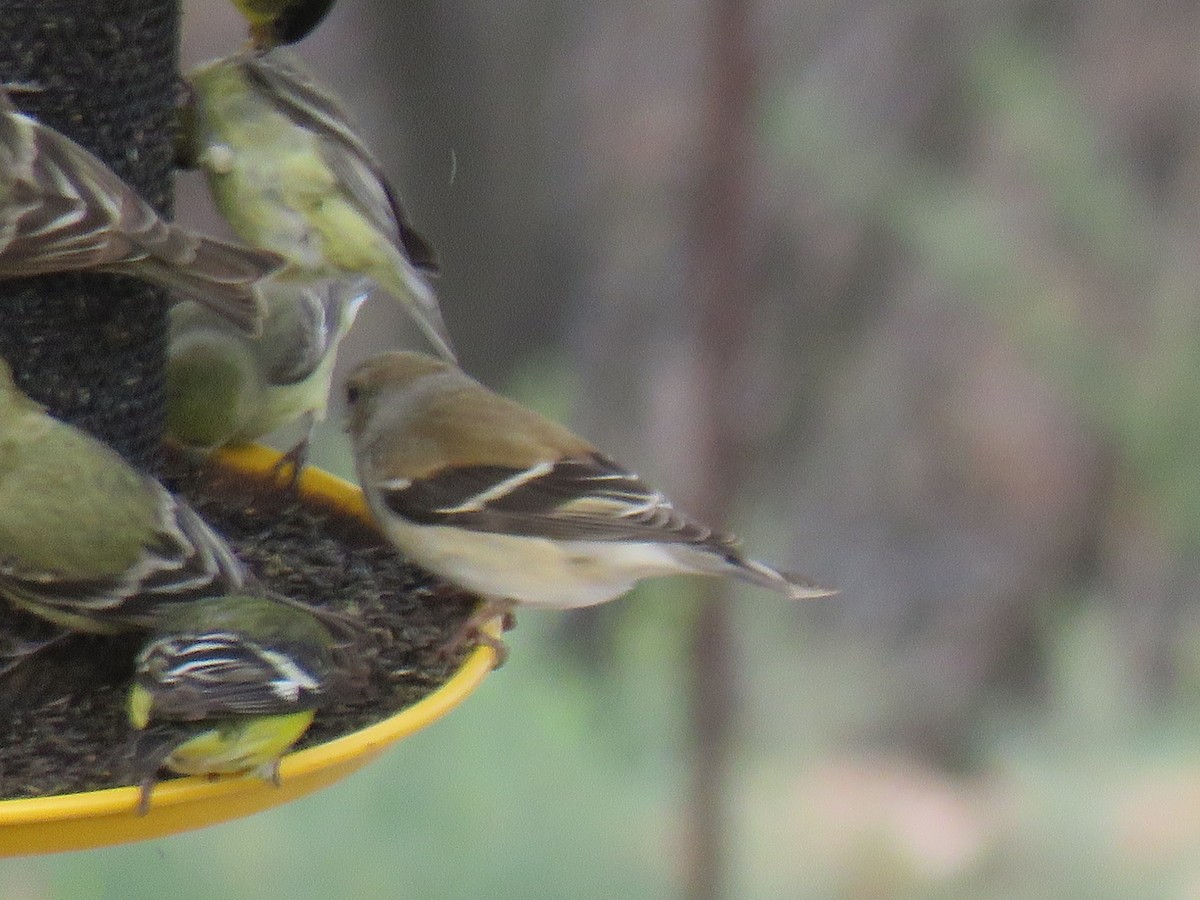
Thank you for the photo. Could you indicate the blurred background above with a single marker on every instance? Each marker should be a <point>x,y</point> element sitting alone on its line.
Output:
<point>962,384</point>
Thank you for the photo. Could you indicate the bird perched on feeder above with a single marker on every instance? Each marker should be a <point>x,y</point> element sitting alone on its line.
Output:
<point>275,22</point>
<point>510,505</point>
<point>86,542</point>
<point>290,175</point>
<point>231,682</point>
<point>225,387</point>
<point>63,210</point>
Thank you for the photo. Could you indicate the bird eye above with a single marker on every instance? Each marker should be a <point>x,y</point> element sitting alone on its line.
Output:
<point>352,394</point>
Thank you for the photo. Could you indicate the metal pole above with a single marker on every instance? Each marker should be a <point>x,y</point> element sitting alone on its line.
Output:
<point>721,297</point>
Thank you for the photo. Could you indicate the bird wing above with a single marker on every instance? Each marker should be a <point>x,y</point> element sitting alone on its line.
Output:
<point>65,210</point>
<point>206,674</point>
<point>589,498</point>
<point>184,559</point>
<point>289,90</point>
<point>68,209</point>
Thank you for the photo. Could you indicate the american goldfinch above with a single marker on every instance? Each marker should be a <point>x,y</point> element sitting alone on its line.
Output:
<point>290,175</point>
<point>275,22</point>
<point>224,387</point>
<point>234,681</point>
<point>63,210</point>
<point>505,503</point>
<point>86,542</point>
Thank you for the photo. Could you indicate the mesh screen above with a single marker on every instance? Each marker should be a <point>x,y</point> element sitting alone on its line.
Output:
<point>92,347</point>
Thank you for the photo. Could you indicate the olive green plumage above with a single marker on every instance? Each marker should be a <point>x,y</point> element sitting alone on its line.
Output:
<point>291,175</point>
<point>224,387</point>
<point>87,542</point>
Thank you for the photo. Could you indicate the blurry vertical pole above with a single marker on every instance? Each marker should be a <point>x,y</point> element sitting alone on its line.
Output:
<point>720,305</point>
<point>93,348</point>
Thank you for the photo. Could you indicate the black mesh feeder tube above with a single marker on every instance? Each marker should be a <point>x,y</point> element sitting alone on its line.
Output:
<point>92,347</point>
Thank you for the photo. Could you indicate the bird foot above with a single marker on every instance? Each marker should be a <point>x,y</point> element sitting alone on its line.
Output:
<point>269,772</point>
<point>473,632</point>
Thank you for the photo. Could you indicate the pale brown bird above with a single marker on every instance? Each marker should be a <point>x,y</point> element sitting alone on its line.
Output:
<point>499,500</point>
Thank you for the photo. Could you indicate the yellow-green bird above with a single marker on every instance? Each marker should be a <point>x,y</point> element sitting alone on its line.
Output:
<point>291,175</point>
<point>275,22</point>
<point>63,210</point>
<point>506,503</point>
<point>232,683</point>
<point>86,542</point>
<point>224,387</point>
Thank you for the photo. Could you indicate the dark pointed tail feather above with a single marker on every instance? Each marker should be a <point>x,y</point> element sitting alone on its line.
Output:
<point>16,87</point>
<point>419,250</point>
<point>14,651</point>
<point>795,586</point>
<point>212,558</point>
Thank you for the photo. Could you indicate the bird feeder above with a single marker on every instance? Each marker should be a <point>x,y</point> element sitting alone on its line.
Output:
<point>100,818</point>
<point>92,349</point>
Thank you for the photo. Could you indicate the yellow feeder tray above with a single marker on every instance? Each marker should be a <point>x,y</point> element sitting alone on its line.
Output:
<point>101,818</point>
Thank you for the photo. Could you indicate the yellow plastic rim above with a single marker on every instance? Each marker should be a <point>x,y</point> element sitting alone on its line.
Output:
<point>102,818</point>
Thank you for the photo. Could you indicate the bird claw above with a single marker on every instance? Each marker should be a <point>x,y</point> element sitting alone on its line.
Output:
<point>473,632</point>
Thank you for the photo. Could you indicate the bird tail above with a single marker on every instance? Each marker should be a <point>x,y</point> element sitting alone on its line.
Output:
<point>795,586</point>
<point>408,285</point>
<point>222,276</point>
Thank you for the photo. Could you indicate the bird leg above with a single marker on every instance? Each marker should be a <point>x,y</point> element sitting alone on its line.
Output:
<point>296,458</point>
<point>474,629</point>
<point>145,789</point>
<point>291,464</point>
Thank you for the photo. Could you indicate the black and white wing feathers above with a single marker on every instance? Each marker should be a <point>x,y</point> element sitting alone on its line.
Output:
<point>183,559</point>
<point>224,673</point>
<point>584,499</point>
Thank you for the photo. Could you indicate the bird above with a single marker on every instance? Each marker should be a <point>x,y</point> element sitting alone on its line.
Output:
<point>289,173</point>
<point>87,543</point>
<point>226,685</point>
<point>224,387</point>
<point>505,503</point>
<point>276,22</point>
<point>63,210</point>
